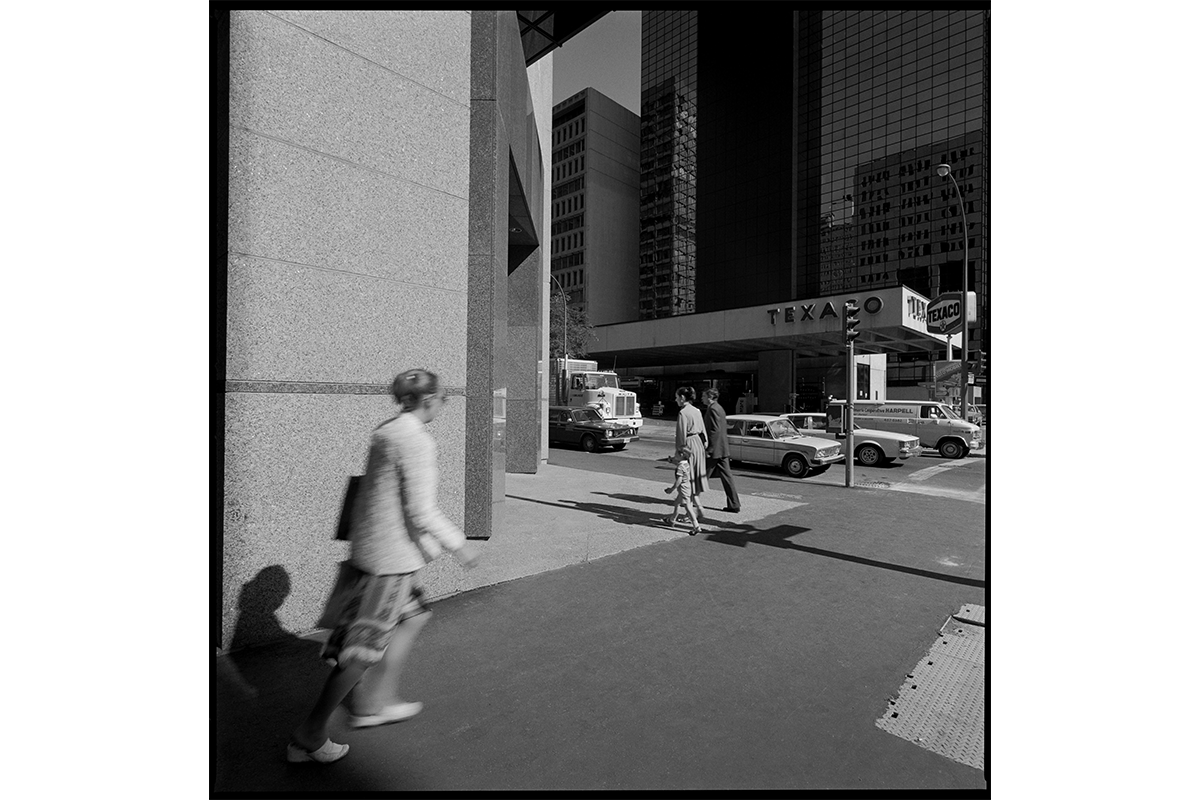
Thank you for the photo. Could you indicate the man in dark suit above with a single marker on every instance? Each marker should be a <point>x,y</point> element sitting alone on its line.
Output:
<point>718,449</point>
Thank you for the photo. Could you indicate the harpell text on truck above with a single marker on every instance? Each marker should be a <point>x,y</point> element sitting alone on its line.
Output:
<point>579,382</point>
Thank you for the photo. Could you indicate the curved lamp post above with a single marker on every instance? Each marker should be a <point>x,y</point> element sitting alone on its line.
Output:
<point>944,171</point>
<point>564,320</point>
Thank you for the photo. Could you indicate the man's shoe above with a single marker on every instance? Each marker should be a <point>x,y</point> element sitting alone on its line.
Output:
<point>732,510</point>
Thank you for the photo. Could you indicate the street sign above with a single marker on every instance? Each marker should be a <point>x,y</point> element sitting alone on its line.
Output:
<point>943,316</point>
<point>945,370</point>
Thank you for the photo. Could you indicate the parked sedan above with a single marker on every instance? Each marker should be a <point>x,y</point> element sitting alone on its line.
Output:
<point>808,422</point>
<point>871,446</point>
<point>771,440</point>
<point>586,428</point>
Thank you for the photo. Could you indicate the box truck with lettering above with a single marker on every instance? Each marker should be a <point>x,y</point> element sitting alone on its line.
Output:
<point>579,382</point>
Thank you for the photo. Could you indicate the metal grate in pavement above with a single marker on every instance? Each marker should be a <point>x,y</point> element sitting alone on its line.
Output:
<point>971,613</point>
<point>940,704</point>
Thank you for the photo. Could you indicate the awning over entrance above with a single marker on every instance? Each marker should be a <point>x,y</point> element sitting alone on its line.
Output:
<point>893,321</point>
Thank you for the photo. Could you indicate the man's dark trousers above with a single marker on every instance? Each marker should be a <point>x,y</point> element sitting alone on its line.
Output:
<point>718,452</point>
<point>720,469</point>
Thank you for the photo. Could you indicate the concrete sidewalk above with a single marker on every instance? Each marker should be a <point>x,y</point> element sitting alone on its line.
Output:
<point>543,530</point>
<point>598,649</point>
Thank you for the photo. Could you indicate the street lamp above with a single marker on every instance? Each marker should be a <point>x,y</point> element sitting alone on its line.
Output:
<point>564,320</point>
<point>943,170</point>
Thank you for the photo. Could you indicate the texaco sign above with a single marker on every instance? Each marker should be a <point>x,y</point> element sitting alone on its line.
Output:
<point>944,314</point>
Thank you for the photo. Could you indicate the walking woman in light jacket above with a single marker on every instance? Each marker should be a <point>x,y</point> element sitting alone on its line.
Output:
<point>396,528</point>
<point>690,433</point>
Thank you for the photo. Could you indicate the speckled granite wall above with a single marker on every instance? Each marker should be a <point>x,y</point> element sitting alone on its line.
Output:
<point>350,145</point>
<point>287,459</point>
<point>541,87</point>
<point>528,293</point>
<point>524,349</point>
<point>503,131</point>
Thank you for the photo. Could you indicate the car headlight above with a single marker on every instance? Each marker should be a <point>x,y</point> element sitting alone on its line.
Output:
<point>608,434</point>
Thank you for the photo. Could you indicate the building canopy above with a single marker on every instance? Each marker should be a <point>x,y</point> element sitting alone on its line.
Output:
<point>893,320</point>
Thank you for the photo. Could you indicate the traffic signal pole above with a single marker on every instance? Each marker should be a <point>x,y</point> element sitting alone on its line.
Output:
<point>851,391</point>
<point>850,321</point>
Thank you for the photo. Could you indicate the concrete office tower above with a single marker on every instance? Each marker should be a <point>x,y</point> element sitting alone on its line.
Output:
<point>387,204</point>
<point>594,201</point>
<point>800,178</point>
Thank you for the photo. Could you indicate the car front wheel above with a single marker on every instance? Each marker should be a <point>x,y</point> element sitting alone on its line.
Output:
<point>952,448</point>
<point>795,466</point>
<point>869,455</point>
<point>589,443</point>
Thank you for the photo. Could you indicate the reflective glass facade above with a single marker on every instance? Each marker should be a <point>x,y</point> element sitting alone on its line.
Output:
<point>832,188</point>
<point>900,92</point>
<point>667,239</point>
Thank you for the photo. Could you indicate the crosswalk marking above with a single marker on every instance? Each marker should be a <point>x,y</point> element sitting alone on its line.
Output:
<point>928,472</point>
<point>975,496</point>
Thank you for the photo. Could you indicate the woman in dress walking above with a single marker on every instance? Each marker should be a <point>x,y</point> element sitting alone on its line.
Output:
<point>689,433</point>
<point>396,528</point>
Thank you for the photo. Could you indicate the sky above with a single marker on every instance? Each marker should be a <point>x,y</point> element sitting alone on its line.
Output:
<point>606,56</point>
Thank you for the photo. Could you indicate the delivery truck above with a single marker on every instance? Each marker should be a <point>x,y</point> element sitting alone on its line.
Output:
<point>936,424</point>
<point>581,383</point>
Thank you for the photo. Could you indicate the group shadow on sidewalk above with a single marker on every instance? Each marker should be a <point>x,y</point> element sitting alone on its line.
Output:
<point>737,534</point>
<point>628,515</point>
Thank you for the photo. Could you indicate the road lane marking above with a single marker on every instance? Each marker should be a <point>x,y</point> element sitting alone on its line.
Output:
<point>928,472</point>
<point>973,496</point>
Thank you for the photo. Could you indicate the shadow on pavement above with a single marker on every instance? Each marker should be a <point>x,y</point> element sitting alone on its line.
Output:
<point>633,516</point>
<point>741,535</point>
<point>779,535</point>
<point>622,514</point>
<point>260,693</point>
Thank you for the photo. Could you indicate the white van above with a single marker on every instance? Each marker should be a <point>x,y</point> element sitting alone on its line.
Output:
<point>936,424</point>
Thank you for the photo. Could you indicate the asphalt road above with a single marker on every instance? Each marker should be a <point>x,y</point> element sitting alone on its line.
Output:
<point>928,474</point>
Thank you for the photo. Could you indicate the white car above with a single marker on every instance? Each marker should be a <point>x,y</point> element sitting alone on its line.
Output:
<point>770,440</point>
<point>871,446</point>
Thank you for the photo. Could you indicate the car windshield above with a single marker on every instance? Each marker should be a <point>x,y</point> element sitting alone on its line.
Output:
<point>782,427</point>
<point>948,411</point>
<point>587,415</point>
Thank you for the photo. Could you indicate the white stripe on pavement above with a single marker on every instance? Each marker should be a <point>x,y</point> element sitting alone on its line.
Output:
<point>928,472</point>
<point>976,496</point>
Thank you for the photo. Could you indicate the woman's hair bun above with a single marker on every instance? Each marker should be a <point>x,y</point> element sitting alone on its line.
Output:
<point>411,386</point>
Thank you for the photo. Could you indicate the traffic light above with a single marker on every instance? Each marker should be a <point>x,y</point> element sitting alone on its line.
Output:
<point>850,321</point>
<point>982,362</point>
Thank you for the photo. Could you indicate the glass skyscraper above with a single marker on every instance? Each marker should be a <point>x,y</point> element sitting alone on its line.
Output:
<point>806,168</point>
<point>667,238</point>
<point>900,93</point>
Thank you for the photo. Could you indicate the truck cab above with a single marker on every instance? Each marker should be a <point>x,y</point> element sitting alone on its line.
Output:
<point>602,391</point>
<point>582,384</point>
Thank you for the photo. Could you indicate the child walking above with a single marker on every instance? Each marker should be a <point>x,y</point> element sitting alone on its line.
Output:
<point>683,489</point>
